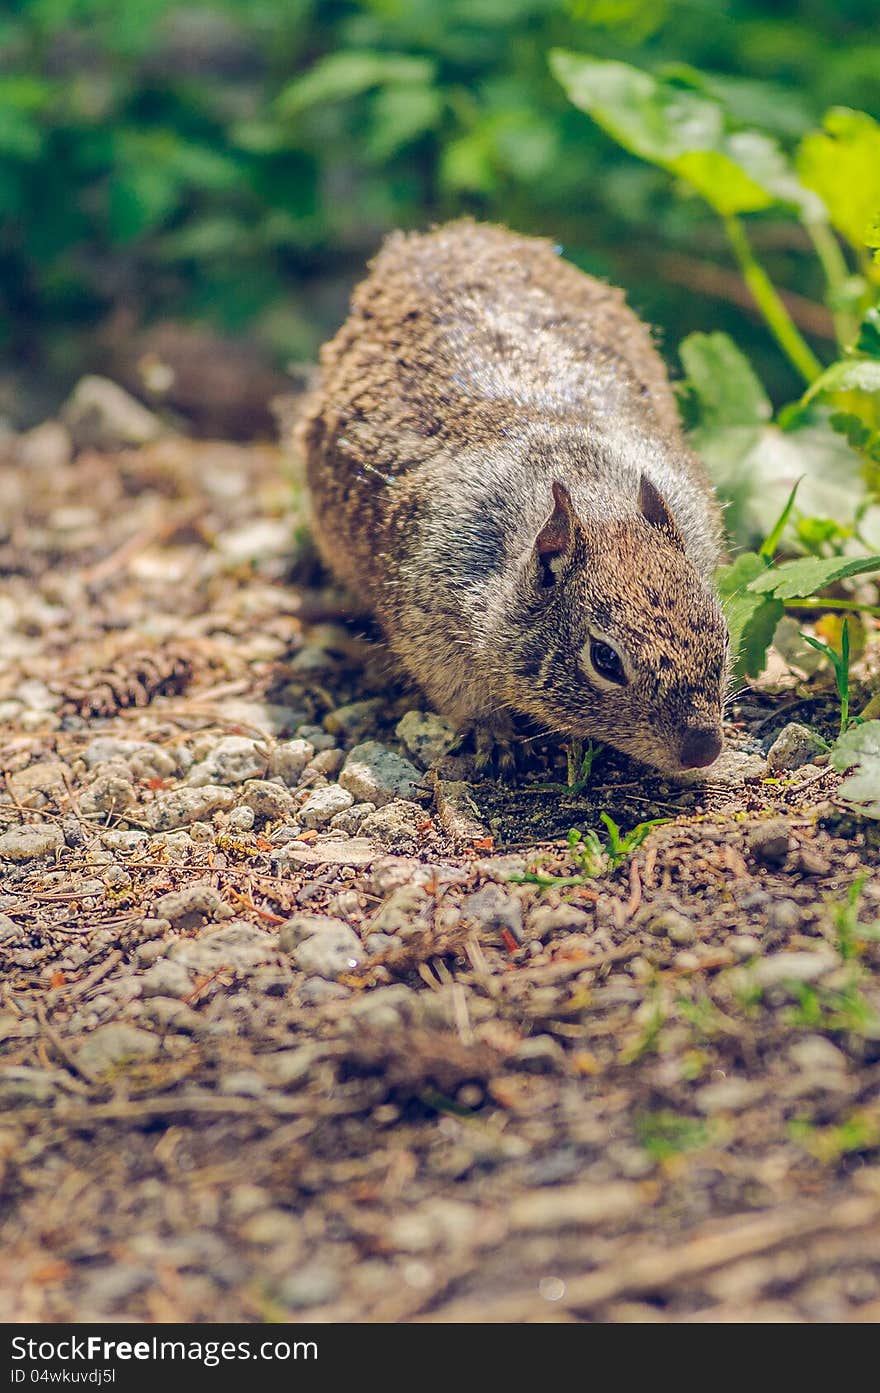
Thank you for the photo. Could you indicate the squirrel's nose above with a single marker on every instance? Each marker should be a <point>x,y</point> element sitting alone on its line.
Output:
<point>699,748</point>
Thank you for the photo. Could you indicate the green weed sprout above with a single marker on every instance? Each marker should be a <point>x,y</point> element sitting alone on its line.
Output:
<point>840,664</point>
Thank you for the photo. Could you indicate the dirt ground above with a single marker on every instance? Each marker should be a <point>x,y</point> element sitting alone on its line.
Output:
<point>272,1049</point>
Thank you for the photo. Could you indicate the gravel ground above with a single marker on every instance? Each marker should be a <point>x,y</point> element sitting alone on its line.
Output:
<point>301,1020</point>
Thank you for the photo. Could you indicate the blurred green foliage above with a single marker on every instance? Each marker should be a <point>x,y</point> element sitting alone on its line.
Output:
<point>236,162</point>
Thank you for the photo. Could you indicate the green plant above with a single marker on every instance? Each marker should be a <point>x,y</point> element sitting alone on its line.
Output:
<point>237,162</point>
<point>840,665</point>
<point>580,759</point>
<point>831,434</point>
<point>857,753</point>
<point>665,1134</point>
<point>621,846</point>
<point>591,858</point>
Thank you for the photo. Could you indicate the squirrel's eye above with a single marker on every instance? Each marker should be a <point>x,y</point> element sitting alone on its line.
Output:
<point>606,662</point>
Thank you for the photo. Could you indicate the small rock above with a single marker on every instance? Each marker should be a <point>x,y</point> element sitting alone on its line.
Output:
<point>492,908</point>
<point>287,832</point>
<point>166,978</point>
<point>312,1285</point>
<point>123,841</point>
<point>770,841</point>
<point>794,745</point>
<point>100,415</point>
<point>743,946</point>
<point>727,1095</point>
<point>288,760</point>
<point>398,825</point>
<point>48,446</point>
<point>313,661</point>
<point>241,819</point>
<point>193,907</point>
<point>573,1206</point>
<point>114,1045</point>
<point>144,759</point>
<point>169,1013</point>
<point>301,926</point>
<point>323,804</point>
<point>384,1008</point>
<point>109,1288</point>
<point>812,862</point>
<point>407,908</point>
<point>353,720</point>
<point>289,1068</point>
<point>428,737</point>
<point>326,764</point>
<point>243,1083</point>
<point>176,846</point>
<point>36,695</point>
<point>780,968</point>
<point>273,1228</point>
<point>237,946</point>
<point>37,785</point>
<point>438,1223</point>
<point>375,774</point>
<point>317,991</point>
<point>233,760</point>
<point>355,851</point>
<point>731,769</point>
<point>268,801</point>
<point>185,805</point>
<point>330,954</point>
<point>545,920</point>
<point>815,1054</point>
<point>316,737</point>
<point>672,925</point>
<point>108,793</point>
<point>784,915</point>
<point>540,1054</point>
<point>30,841</point>
<point>351,819</point>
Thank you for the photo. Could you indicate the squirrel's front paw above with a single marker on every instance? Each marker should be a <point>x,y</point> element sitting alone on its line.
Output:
<point>498,749</point>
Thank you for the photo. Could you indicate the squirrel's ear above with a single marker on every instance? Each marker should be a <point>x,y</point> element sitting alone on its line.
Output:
<point>554,544</point>
<point>654,509</point>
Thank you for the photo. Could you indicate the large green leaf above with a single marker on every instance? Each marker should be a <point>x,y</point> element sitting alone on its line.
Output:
<point>751,618</point>
<point>842,165</point>
<point>868,341</point>
<point>858,749</point>
<point>342,75</point>
<point>795,580</point>
<point>685,132</point>
<point>722,379</point>
<point>848,375</point>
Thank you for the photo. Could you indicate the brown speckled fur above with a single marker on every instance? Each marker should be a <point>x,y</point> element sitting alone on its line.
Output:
<point>476,368</point>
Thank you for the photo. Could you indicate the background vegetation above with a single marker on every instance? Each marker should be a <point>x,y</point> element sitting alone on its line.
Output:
<point>234,163</point>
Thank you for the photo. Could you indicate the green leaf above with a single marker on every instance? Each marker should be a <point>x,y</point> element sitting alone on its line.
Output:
<point>401,113</point>
<point>683,132</point>
<point>842,165</point>
<point>342,75</point>
<point>858,749</point>
<point>795,580</point>
<point>140,199</point>
<point>848,375</point>
<point>751,618</point>
<point>723,381</point>
<point>868,341</point>
<point>771,541</point>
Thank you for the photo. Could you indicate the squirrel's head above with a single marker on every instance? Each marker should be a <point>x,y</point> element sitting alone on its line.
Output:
<point>619,638</point>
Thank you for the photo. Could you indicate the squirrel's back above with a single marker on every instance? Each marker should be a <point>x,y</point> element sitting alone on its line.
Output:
<point>475,368</point>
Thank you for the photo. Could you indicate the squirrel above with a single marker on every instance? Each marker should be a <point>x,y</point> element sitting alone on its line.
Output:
<point>498,475</point>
